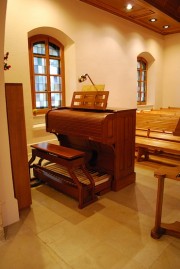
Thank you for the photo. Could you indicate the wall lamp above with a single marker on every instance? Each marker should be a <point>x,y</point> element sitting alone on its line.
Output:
<point>84,77</point>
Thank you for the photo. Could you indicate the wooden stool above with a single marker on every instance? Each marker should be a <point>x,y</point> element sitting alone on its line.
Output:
<point>159,229</point>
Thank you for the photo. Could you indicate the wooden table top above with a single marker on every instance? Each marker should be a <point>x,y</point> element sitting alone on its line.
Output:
<point>168,172</point>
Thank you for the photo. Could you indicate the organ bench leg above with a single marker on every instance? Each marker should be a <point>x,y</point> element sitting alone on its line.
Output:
<point>159,229</point>
<point>142,151</point>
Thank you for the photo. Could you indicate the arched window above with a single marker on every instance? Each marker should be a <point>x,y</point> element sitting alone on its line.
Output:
<point>46,56</point>
<point>141,81</point>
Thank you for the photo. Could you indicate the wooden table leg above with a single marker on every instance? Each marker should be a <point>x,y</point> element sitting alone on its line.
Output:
<point>158,231</point>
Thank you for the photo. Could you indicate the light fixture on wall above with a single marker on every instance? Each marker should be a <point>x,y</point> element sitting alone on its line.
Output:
<point>84,77</point>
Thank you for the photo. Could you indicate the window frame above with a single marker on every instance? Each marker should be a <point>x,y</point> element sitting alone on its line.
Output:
<point>141,80</point>
<point>47,39</point>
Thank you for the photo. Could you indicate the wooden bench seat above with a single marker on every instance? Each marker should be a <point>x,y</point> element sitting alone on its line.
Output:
<point>144,144</point>
<point>62,172</point>
<point>157,135</point>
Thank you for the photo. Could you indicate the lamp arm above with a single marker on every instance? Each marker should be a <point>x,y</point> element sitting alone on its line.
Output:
<point>91,81</point>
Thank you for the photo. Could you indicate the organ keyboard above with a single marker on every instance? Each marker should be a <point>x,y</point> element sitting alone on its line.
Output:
<point>57,170</point>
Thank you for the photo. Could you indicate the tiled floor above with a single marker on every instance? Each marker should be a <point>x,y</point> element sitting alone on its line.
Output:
<point>112,233</point>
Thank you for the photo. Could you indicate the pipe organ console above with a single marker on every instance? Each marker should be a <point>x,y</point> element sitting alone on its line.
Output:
<point>106,139</point>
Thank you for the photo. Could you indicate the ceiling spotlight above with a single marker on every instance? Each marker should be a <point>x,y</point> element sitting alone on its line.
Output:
<point>129,7</point>
<point>166,26</point>
<point>153,20</point>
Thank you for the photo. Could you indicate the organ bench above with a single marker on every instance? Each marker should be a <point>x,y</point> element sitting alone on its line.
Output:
<point>66,172</point>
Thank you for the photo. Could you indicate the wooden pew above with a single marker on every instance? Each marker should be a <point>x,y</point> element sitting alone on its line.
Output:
<point>145,144</point>
<point>157,135</point>
<point>158,122</point>
<point>157,131</point>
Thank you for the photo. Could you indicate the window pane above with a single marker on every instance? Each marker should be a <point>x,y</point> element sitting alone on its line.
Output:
<point>55,83</point>
<point>143,75</point>
<point>142,97</point>
<point>39,65</point>
<point>54,67</point>
<point>138,96</point>
<point>41,100</point>
<point>40,83</point>
<point>55,99</point>
<point>142,86</point>
<point>39,48</point>
<point>54,50</point>
<point>139,75</point>
<point>138,86</point>
<point>143,65</point>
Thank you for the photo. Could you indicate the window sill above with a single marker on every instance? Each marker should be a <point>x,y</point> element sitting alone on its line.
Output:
<point>39,126</point>
<point>39,121</point>
<point>144,107</point>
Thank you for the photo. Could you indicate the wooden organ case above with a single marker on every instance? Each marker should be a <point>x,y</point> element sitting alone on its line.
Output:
<point>106,136</point>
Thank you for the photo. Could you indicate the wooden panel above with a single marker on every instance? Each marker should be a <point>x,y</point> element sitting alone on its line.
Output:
<point>18,144</point>
<point>170,7</point>
<point>90,100</point>
<point>124,149</point>
<point>166,12</point>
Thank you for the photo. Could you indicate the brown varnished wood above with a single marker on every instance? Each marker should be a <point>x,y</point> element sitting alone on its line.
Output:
<point>18,143</point>
<point>156,121</point>
<point>90,99</point>
<point>65,176</point>
<point>157,135</point>
<point>107,138</point>
<point>60,151</point>
<point>167,12</point>
<point>158,130</point>
<point>159,229</point>
<point>92,125</point>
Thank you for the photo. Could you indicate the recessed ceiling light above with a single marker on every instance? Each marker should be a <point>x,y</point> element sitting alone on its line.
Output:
<point>129,7</point>
<point>166,26</point>
<point>153,20</point>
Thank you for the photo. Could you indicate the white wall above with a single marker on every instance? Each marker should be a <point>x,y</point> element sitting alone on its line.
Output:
<point>171,81</point>
<point>100,44</point>
<point>7,201</point>
<point>96,42</point>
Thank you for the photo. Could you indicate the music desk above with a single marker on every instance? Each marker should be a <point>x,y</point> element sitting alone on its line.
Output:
<point>159,229</point>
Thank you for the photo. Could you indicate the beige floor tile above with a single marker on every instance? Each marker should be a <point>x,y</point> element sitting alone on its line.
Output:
<point>41,218</point>
<point>169,259</point>
<point>151,251</point>
<point>101,256</point>
<point>129,264</point>
<point>27,251</point>
<point>112,233</point>
<point>77,243</point>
